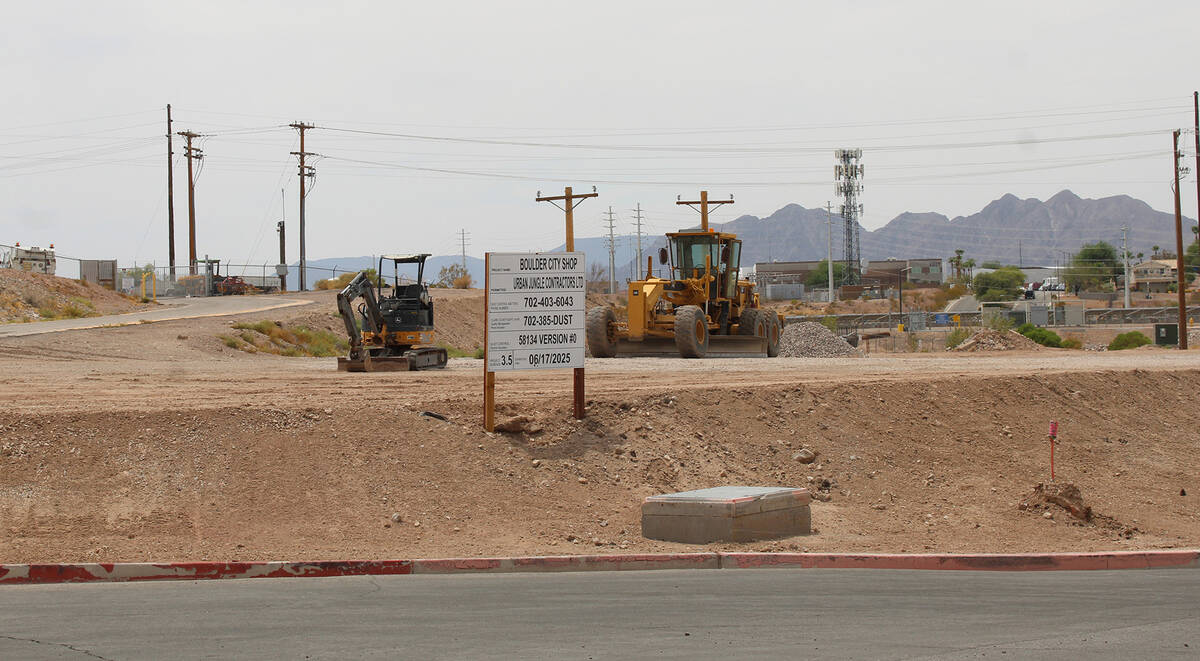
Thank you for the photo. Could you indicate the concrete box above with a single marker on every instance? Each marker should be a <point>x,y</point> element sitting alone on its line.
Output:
<point>727,514</point>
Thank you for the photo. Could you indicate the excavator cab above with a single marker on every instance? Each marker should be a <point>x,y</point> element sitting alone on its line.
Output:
<point>409,306</point>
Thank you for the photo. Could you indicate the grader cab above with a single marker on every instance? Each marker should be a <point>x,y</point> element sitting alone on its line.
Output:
<point>699,308</point>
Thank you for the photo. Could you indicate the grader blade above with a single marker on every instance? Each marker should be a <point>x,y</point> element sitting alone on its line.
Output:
<point>736,346</point>
<point>719,346</point>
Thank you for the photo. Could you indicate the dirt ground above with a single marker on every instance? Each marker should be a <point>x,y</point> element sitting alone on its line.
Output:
<point>156,442</point>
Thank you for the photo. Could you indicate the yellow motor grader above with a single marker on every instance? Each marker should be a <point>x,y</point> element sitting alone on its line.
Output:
<point>700,308</point>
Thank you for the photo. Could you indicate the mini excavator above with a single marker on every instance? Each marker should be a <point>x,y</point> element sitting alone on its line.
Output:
<point>397,329</point>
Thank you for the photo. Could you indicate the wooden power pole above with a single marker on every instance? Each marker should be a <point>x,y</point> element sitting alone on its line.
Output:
<point>569,203</point>
<point>170,196</point>
<point>306,172</point>
<point>705,203</point>
<point>192,154</point>
<point>1182,285</point>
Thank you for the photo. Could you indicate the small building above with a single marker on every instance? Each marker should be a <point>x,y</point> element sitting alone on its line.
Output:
<point>1155,275</point>
<point>916,271</point>
<point>766,273</point>
<point>926,271</point>
<point>34,260</point>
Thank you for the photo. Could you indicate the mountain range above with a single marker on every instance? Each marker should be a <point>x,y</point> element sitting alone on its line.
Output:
<point>1010,230</point>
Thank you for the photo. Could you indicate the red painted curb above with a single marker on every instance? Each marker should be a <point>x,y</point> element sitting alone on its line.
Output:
<point>623,562</point>
<point>966,561</point>
<point>191,571</point>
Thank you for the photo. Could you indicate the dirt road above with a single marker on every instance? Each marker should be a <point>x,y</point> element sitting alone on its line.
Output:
<point>157,442</point>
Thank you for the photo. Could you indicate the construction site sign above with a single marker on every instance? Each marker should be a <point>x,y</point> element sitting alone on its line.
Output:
<point>535,311</point>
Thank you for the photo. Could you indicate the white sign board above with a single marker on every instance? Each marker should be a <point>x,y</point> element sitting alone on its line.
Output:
<point>536,310</point>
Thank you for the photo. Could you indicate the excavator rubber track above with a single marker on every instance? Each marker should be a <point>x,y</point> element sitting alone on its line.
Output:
<point>421,358</point>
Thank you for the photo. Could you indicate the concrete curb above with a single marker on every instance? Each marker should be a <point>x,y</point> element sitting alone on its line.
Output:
<point>621,562</point>
<point>966,561</point>
<point>192,571</point>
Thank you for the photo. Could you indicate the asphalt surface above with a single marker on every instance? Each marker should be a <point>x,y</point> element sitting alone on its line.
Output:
<point>718,614</point>
<point>180,308</point>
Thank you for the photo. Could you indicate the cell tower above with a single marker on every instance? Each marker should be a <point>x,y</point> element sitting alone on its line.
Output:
<point>848,174</point>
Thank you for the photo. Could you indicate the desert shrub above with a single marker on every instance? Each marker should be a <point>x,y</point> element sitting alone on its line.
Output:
<point>1130,340</point>
<point>231,342</point>
<point>73,311</point>
<point>998,322</point>
<point>1042,336</point>
<point>1071,343</point>
<point>830,323</point>
<point>956,337</point>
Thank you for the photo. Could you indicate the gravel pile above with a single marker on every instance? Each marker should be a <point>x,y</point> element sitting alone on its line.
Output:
<point>809,339</point>
<point>990,340</point>
<point>1095,347</point>
<point>1193,338</point>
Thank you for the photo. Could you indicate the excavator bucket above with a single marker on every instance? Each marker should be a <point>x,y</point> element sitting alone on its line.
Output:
<point>719,346</point>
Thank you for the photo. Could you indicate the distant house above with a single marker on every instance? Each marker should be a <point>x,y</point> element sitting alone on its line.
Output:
<point>1155,275</point>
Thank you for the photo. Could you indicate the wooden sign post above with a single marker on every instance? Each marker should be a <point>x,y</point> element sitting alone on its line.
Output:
<point>569,199</point>
<point>536,305</point>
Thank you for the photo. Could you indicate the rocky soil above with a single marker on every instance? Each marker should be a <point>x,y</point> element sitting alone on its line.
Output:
<point>809,339</point>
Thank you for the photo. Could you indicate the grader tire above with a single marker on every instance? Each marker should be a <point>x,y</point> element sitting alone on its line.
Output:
<point>774,331</point>
<point>691,332</point>
<point>746,322</point>
<point>601,332</point>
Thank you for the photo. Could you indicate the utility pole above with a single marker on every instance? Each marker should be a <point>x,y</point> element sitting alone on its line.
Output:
<point>170,196</point>
<point>462,239</point>
<point>829,245</point>
<point>704,203</point>
<point>612,255</point>
<point>1196,111</point>
<point>305,173</point>
<point>281,226</point>
<point>1182,285</point>
<point>192,154</point>
<point>569,203</point>
<point>1125,257</point>
<point>638,217</point>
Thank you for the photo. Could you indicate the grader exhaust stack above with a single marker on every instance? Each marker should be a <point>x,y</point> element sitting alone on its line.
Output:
<point>699,309</point>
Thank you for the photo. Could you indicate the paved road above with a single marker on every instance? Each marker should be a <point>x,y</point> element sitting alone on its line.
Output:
<point>180,308</point>
<point>967,303</point>
<point>662,614</point>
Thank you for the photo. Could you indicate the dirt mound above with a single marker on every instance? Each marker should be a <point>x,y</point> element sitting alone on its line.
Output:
<point>809,339</point>
<point>458,321</point>
<point>1064,495</point>
<point>990,340</point>
<point>905,467</point>
<point>28,296</point>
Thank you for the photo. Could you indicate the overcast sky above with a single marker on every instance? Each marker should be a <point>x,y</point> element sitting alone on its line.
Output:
<point>645,100</point>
